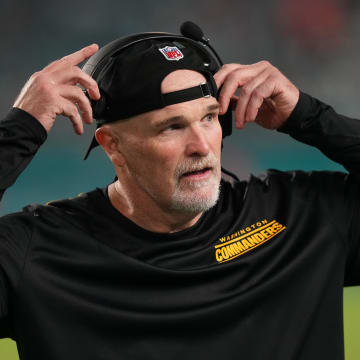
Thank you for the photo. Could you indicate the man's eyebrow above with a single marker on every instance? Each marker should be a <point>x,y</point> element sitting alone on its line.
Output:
<point>213,107</point>
<point>173,119</point>
<point>168,121</point>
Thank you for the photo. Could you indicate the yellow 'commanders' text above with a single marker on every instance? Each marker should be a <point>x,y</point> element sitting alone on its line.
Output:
<point>242,244</point>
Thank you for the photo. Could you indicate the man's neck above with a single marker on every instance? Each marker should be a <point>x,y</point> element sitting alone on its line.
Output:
<point>150,217</point>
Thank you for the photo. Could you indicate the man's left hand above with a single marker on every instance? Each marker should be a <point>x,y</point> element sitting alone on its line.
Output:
<point>266,96</point>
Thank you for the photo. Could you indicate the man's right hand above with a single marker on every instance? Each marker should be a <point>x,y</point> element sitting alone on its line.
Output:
<point>53,91</point>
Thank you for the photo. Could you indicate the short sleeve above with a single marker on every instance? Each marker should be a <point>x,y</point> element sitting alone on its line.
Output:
<point>14,243</point>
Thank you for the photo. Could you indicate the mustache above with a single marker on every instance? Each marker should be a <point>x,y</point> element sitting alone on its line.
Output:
<point>196,164</point>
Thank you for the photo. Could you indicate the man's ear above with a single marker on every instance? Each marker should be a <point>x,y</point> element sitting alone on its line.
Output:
<point>109,141</point>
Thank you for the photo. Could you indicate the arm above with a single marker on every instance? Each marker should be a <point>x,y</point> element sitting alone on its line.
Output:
<point>317,124</point>
<point>48,93</point>
<point>268,98</point>
<point>21,135</point>
<point>15,238</point>
<point>338,137</point>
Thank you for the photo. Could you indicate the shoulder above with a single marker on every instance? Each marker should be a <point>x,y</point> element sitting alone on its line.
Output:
<point>15,225</point>
<point>295,182</point>
<point>15,240</point>
<point>53,212</point>
<point>301,179</point>
<point>331,193</point>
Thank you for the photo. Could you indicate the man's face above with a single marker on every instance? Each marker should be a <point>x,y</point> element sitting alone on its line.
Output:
<point>172,155</point>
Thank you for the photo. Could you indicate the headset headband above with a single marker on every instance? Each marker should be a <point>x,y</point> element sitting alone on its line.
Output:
<point>117,60</point>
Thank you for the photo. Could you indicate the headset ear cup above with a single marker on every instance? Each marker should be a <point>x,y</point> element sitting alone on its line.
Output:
<point>226,122</point>
<point>225,119</point>
<point>99,107</point>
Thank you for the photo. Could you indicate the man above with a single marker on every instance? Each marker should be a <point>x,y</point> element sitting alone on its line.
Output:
<point>170,260</point>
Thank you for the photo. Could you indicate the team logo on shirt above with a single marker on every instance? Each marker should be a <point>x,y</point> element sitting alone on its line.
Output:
<point>247,239</point>
<point>171,53</point>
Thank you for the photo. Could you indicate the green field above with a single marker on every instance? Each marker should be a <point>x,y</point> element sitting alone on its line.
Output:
<point>352,329</point>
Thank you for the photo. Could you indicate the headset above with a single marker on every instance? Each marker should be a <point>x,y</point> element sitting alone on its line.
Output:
<point>191,34</point>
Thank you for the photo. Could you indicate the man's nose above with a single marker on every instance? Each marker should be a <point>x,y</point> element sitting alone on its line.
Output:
<point>197,143</point>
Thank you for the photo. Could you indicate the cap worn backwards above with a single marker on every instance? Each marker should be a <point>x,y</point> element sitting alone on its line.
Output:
<point>130,82</point>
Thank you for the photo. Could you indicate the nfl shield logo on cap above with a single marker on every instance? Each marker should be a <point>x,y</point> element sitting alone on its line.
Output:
<point>171,53</point>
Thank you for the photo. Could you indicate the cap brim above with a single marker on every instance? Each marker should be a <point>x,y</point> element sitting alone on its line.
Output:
<point>93,144</point>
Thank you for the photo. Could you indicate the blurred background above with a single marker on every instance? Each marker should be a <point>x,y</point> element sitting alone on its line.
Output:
<point>313,42</point>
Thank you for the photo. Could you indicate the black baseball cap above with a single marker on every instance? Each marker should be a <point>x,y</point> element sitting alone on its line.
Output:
<point>130,81</point>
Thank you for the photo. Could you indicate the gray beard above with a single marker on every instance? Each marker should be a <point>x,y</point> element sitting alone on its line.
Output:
<point>190,203</point>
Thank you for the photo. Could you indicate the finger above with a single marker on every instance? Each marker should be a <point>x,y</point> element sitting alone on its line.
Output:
<point>224,71</point>
<point>77,96</point>
<point>80,55</point>
<point>71,111</point>
<point>238,78</point>
<point>262,92</point>
<point>246,93</point>
<point>74,58</point>
<point>234,80</point>
<point>74,75</point>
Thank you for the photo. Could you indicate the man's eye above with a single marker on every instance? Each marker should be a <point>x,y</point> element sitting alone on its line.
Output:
<point>210,117</point>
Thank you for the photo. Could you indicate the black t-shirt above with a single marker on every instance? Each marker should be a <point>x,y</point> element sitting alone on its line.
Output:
<point>259,276</point>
